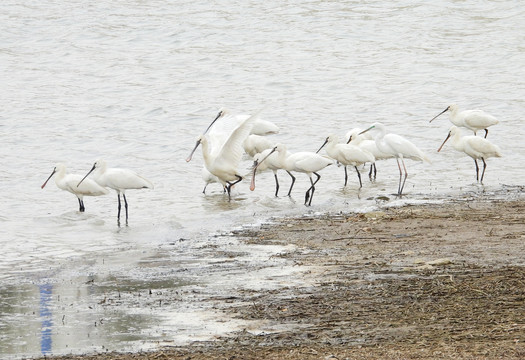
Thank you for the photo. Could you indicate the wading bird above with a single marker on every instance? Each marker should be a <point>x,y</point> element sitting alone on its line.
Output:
<point>304,162</point>
<point>474,120</point>
<point>473,146</point>
<point>347,154</point>
<point>398,147</point>
<point>70,182</point>
<point>369,145</point>
<point>223,155</point>
<point>119,180</point>
<point>272,159</point>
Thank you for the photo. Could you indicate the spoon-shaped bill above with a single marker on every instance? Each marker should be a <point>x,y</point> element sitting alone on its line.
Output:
<point>448,136</point>
<point>188,159</point>
<point>90,171</point>
<point>252,183</point>
<point>256,164</point>
<point>440,114</point>
<point>53,173</point>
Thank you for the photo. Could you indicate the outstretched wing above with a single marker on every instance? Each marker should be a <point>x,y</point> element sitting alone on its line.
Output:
<point>232,150</point>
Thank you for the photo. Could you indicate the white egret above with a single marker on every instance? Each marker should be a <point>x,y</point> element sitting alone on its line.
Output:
<point>398,147</point>
<point>474,146</point>
<point>70,182</point>
<point>368,144</point>
<point>347,154</point>
<point>119,180</point>
<point>474,120</point>
<point>268,159</point>
<point>223,157</point>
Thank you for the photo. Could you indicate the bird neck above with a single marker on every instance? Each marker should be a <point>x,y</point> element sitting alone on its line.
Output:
<point>457,141</point>
<point>206,151</point>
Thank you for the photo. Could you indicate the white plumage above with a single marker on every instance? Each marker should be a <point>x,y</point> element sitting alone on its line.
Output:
<point>476,147</point>
<point>70,182</point>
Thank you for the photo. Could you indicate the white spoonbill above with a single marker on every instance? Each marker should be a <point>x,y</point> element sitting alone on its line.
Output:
<point>474,146</point>
<point>222,160</point>
<point>304,162</point>
<point>255,144</point>
<point>70,182</point>
<point>272,159</point>
<point>398,147</point>
<point>474,120</point>
<point>119,180</point>
<point>347,154</point>
<point>369,145</point>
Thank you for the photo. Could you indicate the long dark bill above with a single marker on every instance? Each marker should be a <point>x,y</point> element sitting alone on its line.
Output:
<point>370,128</point>
<point>213,122</point>
<point>90,171</point>
<point>53,173</point>
<point>448,136</point>
<point>322,146</point>
<point>188,159</point>
<point>444,111</point>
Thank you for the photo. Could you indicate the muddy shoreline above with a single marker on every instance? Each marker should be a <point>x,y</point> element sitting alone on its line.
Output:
<point>416,282</point>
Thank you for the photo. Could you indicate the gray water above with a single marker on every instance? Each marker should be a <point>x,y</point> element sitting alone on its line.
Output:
<point>135,82</point>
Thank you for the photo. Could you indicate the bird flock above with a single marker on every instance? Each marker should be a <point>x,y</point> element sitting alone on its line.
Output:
<point>230,136</point>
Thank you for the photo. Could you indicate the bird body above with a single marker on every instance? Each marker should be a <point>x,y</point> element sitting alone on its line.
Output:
<point>347,154</point>
<point>70,182</point>
<point>271,159</point>
<point>304,162</point>
<point>476,147</point>
<point>119,180</point>
<point>398,147</point>
<point>222,157</point>
<point>254,144</point>
<point>308,163</point>
<point>474,120</point>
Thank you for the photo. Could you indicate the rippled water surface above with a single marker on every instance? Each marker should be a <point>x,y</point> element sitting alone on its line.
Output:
<point>135,82</point>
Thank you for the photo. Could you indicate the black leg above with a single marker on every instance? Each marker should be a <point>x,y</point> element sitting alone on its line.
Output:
<point>486,133</point>
<point>370,172</point>
<point>230,184</point>
<point>81,205</point>
<point>375,170</point>
<point>346,176</point>
<point>204,190</point>
<point>477,170</point>
<point>483,173</point>
<point>276,184</point>
<point>126,206</point>
<point>293,182</point>
<point>310,195</point>
<point>359,176</point>
<point>118,214</point>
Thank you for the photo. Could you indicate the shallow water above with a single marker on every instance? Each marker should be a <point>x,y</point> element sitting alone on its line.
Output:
<point>135,82</point>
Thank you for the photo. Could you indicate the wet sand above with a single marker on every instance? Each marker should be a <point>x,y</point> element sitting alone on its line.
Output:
<point>417,282</point>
